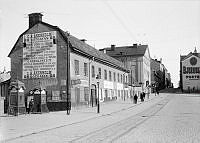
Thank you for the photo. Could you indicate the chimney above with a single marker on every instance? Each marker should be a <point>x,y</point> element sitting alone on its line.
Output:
<point>34,18</point>
<point>112,47</point>
<point>160,60</point>
<point>135,46</point>
<point>83,40</point>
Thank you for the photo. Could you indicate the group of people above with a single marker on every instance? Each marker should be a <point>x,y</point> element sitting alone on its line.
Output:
<point>142,96</point>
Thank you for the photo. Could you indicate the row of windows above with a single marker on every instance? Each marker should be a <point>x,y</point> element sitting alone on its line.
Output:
<point>107,75</point>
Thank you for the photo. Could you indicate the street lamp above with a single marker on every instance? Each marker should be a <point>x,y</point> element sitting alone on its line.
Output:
<point>90,97</point>
<point>98,107</point>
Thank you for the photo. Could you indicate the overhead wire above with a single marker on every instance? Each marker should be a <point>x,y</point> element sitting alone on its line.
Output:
<point>120,21</point>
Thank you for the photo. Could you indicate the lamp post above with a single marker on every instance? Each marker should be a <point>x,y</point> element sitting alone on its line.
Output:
<point>98,106</point>
<point>90,97</point>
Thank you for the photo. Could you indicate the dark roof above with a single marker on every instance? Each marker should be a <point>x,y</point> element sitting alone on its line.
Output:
<point>81,46</point>
<point>127,50</point>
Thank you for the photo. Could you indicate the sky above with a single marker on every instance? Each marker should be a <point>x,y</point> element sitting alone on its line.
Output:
<point>169,27</point>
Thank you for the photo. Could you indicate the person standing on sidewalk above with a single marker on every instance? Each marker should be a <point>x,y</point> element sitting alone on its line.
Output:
<point>30,106</point>
<point>141,97</point>
<point>135,98</point>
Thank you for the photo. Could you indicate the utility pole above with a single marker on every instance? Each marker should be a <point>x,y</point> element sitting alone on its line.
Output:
<point>98,106</point>
<point>68,90</point>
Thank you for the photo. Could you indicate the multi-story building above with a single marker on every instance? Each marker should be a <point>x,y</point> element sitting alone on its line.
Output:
<point>46,57</point>
<point>160,78</point>
<point>190,72</point>
<point>136,59</point>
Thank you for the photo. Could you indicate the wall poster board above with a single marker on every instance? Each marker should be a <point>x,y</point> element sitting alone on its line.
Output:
<point>39,55</point>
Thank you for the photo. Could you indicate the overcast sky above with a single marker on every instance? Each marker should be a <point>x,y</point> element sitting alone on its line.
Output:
<point>169,27</point>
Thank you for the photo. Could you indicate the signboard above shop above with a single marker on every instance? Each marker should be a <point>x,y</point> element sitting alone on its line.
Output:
<point>39,55</point>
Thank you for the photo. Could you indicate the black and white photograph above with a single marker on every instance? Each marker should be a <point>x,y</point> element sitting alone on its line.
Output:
<point>100,71</point>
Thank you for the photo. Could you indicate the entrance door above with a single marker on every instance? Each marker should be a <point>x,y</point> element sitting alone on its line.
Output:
<point>77,95</point>
<point>93,97</point>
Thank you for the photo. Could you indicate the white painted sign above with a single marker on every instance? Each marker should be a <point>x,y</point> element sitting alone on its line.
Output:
<point>191,73</point>
<point>108,84</point>
<point>120,86</point>
<point>39,55</point>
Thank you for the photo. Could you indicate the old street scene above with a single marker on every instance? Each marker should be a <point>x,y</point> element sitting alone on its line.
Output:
<point>100,71</point>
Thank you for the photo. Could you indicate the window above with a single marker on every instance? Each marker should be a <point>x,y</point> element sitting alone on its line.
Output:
<point>114,76</point>
<point>76,63</point>
<point>99,73</point>
<point>121,79</point>
<point>118,77</point>
<point>105,74</point>
<point>110,76</point>
<point>85,69</point>
<point>93,72</point>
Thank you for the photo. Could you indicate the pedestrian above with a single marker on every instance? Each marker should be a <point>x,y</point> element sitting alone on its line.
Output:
<point>144,95</point>
<point>141,97</point>
<point>30,106</point>
<point>157,92</point>
<point>135,98</point>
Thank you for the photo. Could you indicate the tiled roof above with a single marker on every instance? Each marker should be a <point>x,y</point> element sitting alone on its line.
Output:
<point>81,46</point>
<point>127,50</point>
<point>84,47</point>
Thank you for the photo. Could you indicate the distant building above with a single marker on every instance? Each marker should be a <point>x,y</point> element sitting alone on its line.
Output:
<point>4,75</point>
<point>46,57</point>
<point>190,72</point>
<point>160,77</point>
<point>4,88</point>
<point>136,59</point>
<point>4,78</point>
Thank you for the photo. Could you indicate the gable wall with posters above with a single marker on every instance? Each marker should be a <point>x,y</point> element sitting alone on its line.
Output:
<point>21,67</point>
<point>191,74</point>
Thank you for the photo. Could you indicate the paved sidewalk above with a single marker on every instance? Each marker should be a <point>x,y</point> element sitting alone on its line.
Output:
<point>22,125</point>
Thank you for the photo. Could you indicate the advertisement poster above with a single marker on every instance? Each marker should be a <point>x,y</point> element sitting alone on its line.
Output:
<point>39,55</point>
